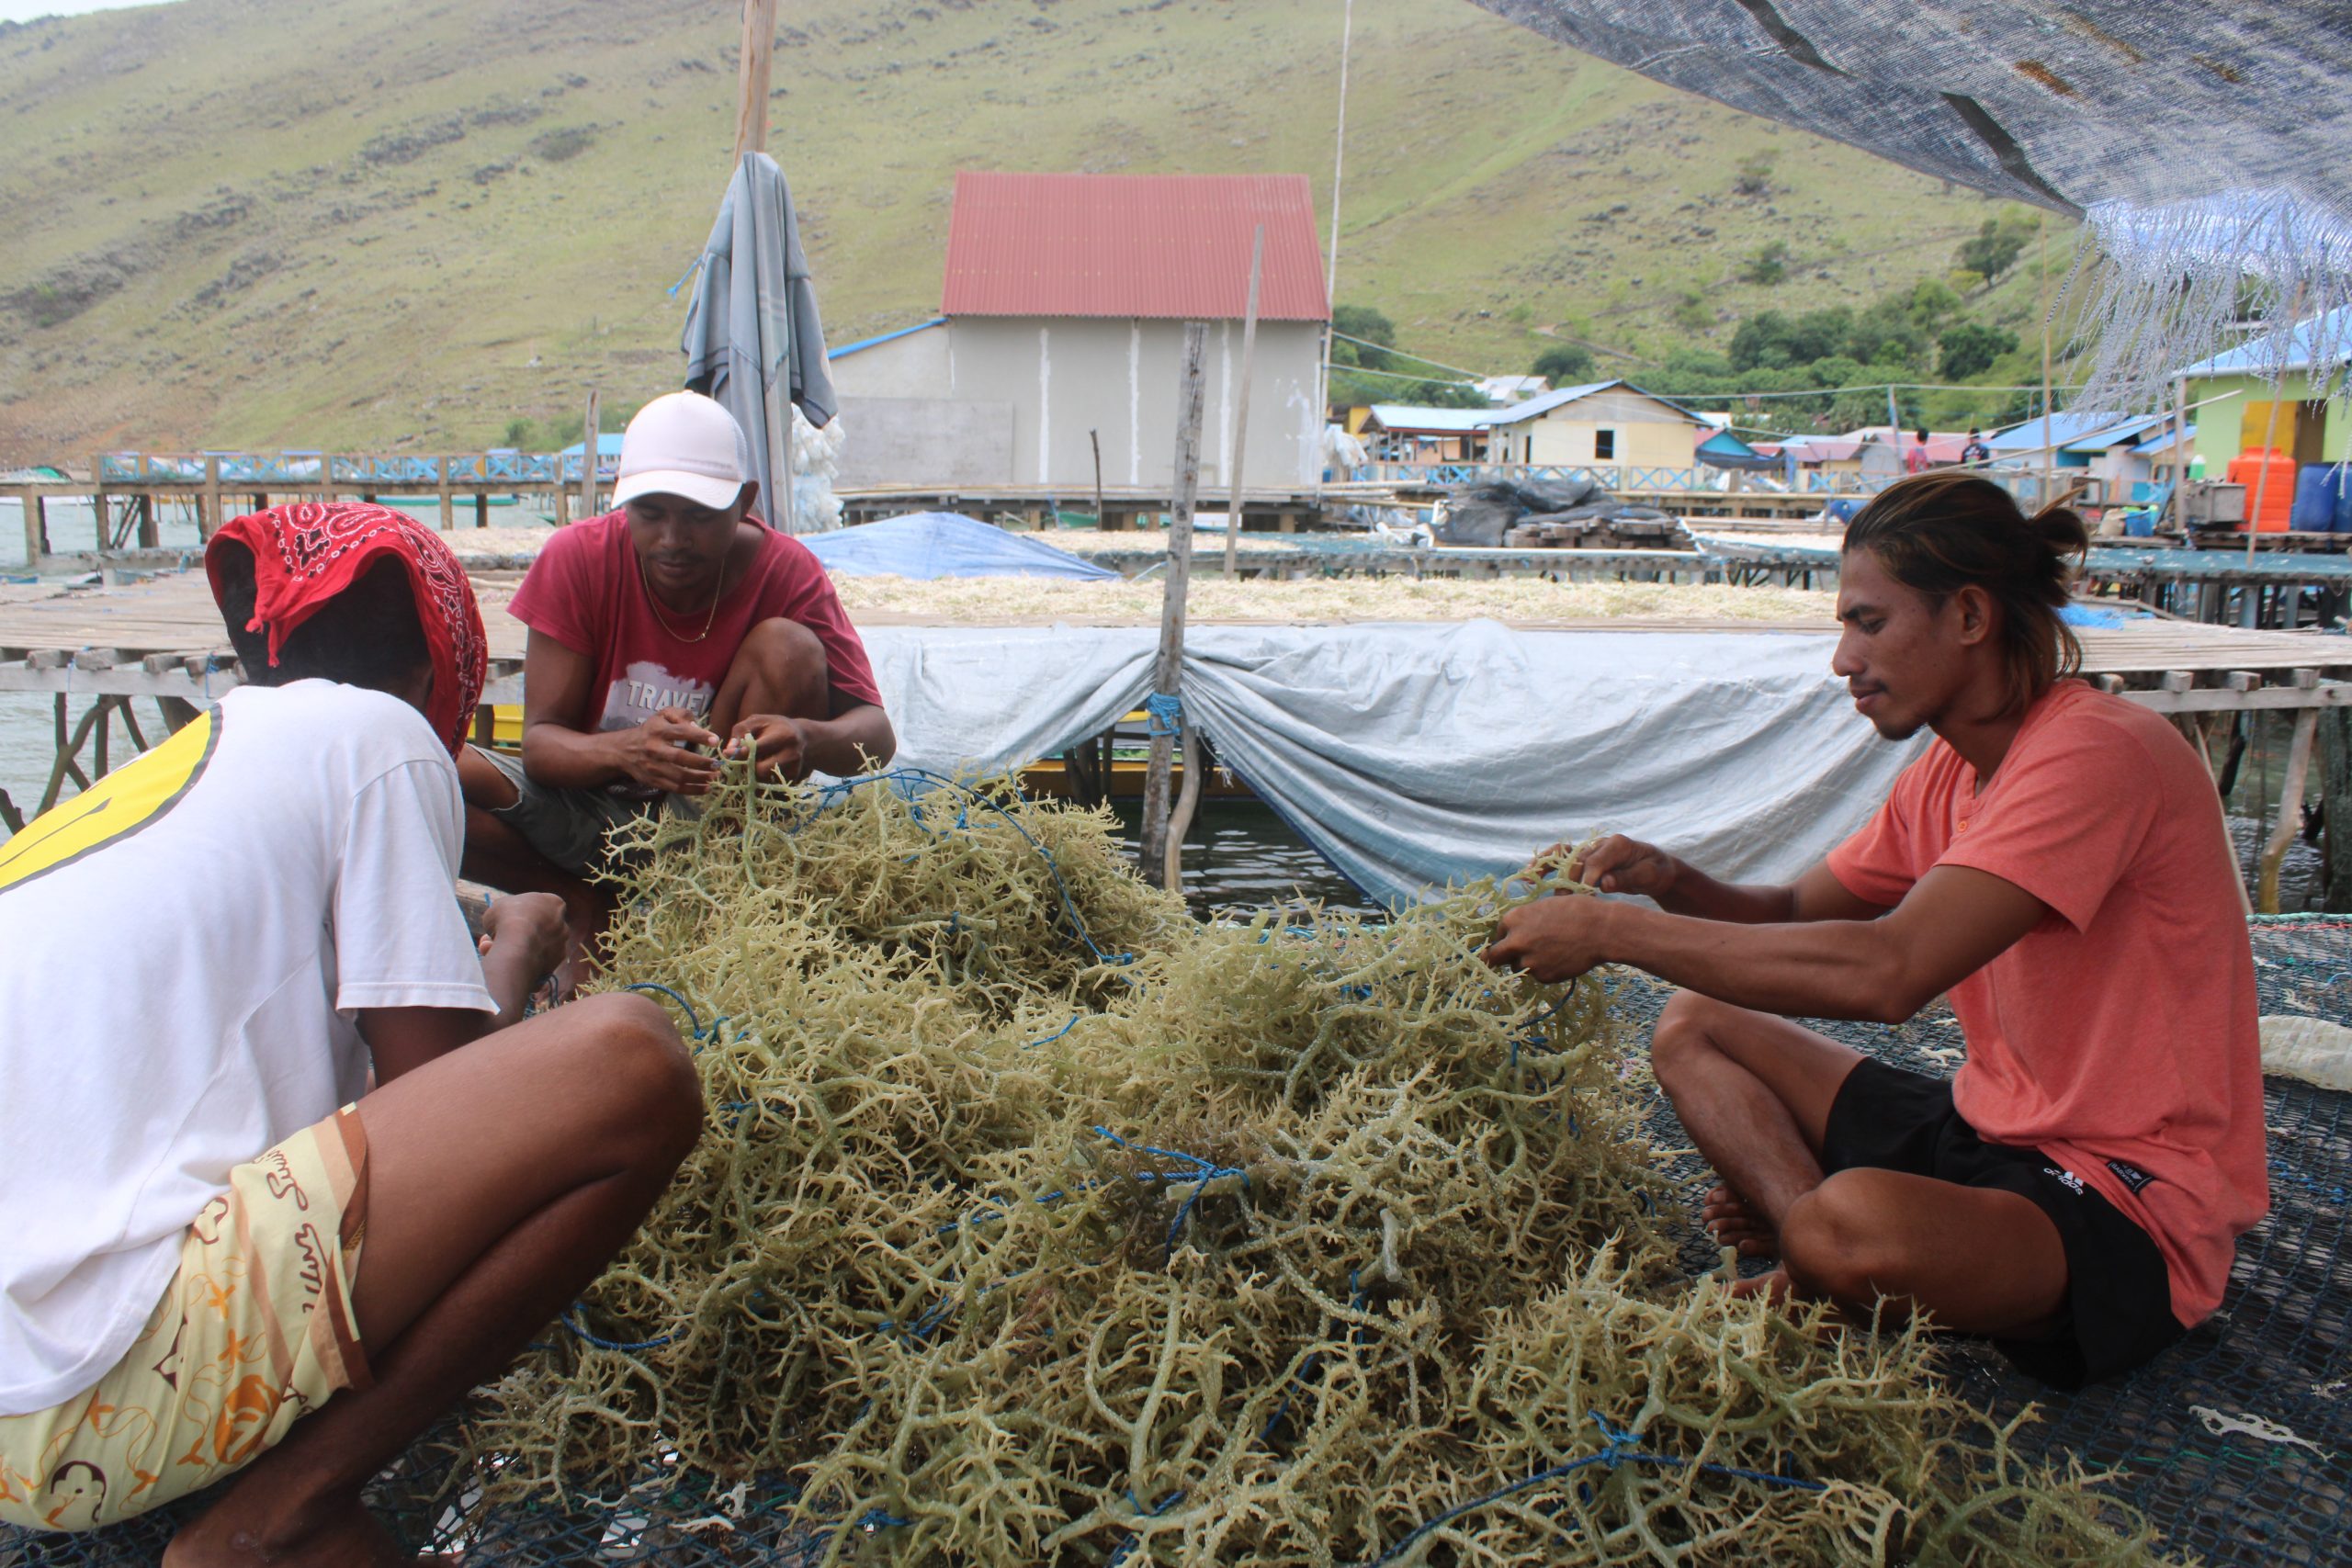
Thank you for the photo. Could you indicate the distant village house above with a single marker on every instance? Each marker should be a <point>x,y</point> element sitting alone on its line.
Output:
<point>1061,334</point>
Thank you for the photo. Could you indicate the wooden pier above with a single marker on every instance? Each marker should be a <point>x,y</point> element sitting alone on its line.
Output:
<point>101,651</point>
<point>129,490</point>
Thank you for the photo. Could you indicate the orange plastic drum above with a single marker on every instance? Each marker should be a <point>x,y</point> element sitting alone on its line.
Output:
<point>2278,490</point>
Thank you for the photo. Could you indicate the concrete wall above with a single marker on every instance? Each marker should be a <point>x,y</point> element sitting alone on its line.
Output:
<point>1066,377</point>
<point>889,441</point>
<point>900,425</point>
<point>914,366</point>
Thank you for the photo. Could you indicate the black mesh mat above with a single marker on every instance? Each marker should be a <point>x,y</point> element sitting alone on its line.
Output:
<point>2275,1354</point>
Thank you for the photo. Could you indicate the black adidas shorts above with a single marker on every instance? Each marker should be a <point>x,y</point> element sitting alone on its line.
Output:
<point>2119,1307</point>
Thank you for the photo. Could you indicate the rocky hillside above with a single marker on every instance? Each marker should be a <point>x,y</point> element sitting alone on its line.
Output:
<point>400,224</point>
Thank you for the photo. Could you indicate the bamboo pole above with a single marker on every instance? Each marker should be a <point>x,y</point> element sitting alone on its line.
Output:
<point>209,523</point>
<point>1095,439</point>
<point>1241,413</point>
<point>1167,678</point>
<point>751,77</point>
<point>1331,270</point>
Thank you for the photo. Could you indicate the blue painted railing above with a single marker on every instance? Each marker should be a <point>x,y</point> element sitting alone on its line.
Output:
<point>294,469</point>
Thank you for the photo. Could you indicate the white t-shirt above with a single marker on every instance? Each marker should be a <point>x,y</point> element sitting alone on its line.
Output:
<point>183,949</point>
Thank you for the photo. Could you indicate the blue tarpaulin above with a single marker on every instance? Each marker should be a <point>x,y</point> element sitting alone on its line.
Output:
<point>944,544</point>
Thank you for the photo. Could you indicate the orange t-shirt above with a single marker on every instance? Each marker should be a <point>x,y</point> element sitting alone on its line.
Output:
<point>2118,1036</point>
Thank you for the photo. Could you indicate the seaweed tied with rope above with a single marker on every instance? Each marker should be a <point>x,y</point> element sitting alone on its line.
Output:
<point>1037,1222</point>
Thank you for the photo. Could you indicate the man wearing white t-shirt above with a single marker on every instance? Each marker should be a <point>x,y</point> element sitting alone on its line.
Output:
<point>210,1267</point>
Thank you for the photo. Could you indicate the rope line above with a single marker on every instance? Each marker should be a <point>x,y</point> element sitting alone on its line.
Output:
<point>1166,711</point>
<point>603,1344</point>
<point>1203,1172</point>
<point>1619,1449</point>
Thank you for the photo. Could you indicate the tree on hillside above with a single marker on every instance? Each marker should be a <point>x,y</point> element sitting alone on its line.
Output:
<point>1970,348</point>
<point>1997,246</point>
<point>1772,340</point>
<point>1767,267</point>
<point>1564,365</point>
<point>1368,326</point>
<point>1366,370</point>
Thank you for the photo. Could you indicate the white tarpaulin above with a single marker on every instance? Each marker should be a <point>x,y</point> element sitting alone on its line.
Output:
<point>1411,755</point>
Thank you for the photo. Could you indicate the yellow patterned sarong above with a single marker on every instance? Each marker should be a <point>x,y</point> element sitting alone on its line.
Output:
<point>254,1332</point>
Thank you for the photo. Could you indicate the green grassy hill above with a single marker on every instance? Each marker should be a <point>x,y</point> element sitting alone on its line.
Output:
<point>398,224</point>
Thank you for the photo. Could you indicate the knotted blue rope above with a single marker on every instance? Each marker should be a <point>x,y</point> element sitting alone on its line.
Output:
<point>1166,710</point>
<point>1618,1449</point>
<point>1203,1172</point>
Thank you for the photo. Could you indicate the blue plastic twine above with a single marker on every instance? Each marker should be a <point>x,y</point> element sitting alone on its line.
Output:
<point>1619,1449</point>
<point>1203,1172</point>
<point>1166,711</point>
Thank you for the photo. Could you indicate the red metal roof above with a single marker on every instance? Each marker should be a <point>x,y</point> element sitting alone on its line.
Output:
<point>1153,245</point>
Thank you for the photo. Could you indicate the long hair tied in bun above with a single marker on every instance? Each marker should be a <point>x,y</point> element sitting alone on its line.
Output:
<point>1938,533</point>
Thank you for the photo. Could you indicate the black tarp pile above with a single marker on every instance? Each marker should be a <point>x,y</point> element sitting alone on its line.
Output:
<point>1484,513</point>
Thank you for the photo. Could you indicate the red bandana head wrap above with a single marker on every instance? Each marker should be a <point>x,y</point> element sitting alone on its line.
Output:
<point>305,554</point>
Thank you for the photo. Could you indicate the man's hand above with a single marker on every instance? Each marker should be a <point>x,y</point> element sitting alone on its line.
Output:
<point>1618,864</point>
<point>778,745</point>
<point>656,754</point>
<point>1551,940</point>
<point>529,926</point>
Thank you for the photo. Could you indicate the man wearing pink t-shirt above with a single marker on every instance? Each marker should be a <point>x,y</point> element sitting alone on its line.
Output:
<point>665,637</point>
<point>2056,863</point>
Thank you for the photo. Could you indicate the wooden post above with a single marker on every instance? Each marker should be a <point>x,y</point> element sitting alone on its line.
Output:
<point>326,478</point>
<point>751,77</point>
<point>29,499</point>
<point>1167,676</point>
<point>448,502</point>
<point>209,523</point>
<point>101,507</point>
<point>1095,439</point>
<point>1241,411</point>
<point>588,443</point>
<point>562,502</point>
<point>2290,810</point>
<point>482,509</point>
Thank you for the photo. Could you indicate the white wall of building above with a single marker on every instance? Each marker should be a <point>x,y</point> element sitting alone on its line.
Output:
<point>1065,383</point>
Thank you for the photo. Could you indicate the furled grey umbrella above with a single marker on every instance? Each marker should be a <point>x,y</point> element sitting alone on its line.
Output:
<point>752,339</point>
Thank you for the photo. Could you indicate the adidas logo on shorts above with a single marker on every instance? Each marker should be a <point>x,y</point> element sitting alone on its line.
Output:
<point>2066,1178</point>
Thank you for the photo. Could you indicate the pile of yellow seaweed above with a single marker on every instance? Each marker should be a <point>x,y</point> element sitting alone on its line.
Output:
<point>1037,1222</point>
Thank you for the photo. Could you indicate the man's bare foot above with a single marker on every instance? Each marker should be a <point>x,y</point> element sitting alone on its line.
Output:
<point>349,1538</point>
<point>1773,1287</point>
<point>1728,1219</point>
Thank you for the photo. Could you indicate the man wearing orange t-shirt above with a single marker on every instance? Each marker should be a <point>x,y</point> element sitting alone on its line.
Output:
<point>2056,862</point>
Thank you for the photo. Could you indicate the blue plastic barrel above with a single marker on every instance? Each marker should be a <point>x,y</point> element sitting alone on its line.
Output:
<point>1841,510</point>
<point>2315,500</point>
<point>2339,487</point>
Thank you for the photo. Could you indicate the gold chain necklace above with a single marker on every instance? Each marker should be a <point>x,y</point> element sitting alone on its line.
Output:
<point>717,591</point>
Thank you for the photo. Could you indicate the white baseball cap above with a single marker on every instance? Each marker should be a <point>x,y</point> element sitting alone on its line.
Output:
<point>683,443</point>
